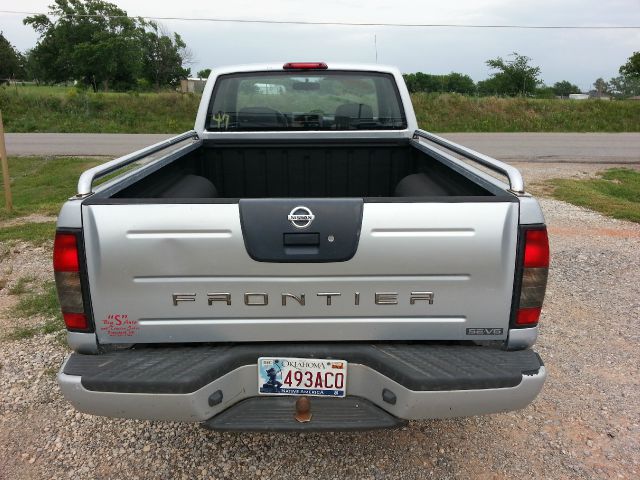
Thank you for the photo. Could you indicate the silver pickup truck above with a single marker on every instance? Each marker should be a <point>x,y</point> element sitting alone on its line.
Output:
<point>305,259</point>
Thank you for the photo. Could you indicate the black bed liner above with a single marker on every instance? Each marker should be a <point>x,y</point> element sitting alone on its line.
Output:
<point>318,170</point>
<point>418,367</point>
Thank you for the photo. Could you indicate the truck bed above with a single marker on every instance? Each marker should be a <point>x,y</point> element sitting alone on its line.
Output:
<point>318,170</point>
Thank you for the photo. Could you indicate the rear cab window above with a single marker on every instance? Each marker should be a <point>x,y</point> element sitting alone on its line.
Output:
<point>305,100</point>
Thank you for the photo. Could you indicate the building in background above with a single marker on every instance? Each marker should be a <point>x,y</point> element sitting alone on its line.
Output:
<point>192,85</point>
<point>578,96</point>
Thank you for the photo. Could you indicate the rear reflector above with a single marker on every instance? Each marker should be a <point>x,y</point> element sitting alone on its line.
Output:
<point>534,281</point>
<point>534,276</point>
<point>66,267</point>
<point>69,291</point>
<point>75,321</point>
<point>528,316</point>
<point>305,66</point>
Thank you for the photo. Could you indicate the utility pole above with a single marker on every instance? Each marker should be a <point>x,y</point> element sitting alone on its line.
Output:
<point>375,45</point>
<point>5,169</point>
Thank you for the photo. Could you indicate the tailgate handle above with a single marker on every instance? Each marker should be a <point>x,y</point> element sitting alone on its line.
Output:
<point>301,239</point>
<point>301,243</point>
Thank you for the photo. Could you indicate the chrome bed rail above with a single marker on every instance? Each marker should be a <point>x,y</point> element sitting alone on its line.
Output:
<point>516,182</point>
<point>85,183</point>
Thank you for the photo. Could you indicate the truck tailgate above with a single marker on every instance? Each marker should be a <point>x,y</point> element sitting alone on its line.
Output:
<point>181,273</point>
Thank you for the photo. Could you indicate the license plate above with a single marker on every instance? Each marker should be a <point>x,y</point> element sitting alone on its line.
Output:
<point>302,376</point>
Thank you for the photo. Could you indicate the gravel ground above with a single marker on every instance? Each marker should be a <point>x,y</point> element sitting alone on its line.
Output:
<point>585,423</point>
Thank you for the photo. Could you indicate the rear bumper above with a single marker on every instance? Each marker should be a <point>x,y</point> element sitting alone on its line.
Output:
<point>196,384</point>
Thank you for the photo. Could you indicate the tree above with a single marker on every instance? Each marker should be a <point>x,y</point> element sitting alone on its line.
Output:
<point>543,91</point>
<point>460,83</point>
<point>32,68</point>
<point>491,86</point>
<point>109,60</point>
<point>92,41</point>
<point>632,67</point>
<point>96,43</point>
<point>624,86</point>
<point>601,87</point>
<point>452,82</point>
<point>409,80</point>
<point>423,82</point>
<point>11,61</point>
<point>163,56</point>
<point>514,77</point>
<point>565,88</point>
<point>204,73</point>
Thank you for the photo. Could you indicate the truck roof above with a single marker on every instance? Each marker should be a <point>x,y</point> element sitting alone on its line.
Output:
<point>262,67</point>
<point>412,124</point>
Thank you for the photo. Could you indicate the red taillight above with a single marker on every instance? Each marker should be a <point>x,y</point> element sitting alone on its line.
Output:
<point>76,321</point>
<point>535,271</point>
<point>66,268</point>
<point>536,249</point>
<point>305,66</point>
<point>528,316</point>
<point>65,253</point>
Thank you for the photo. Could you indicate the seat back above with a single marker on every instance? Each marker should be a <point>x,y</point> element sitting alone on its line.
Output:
<point>353,115</point>
<point>260,117</point>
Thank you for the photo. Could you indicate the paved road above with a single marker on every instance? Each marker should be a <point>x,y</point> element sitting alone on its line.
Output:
<point>100,144</point>
<point>555,147</point>
<point>544,147</point>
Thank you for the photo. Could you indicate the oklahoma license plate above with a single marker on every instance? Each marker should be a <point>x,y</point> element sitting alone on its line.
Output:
<point>302,376</point>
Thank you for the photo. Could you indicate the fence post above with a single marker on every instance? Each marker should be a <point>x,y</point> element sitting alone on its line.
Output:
<point>5,169</point>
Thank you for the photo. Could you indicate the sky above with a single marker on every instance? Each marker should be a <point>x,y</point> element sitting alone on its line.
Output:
<point>579,56</point>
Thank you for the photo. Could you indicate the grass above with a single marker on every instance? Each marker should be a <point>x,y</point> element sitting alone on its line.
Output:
<point>41,184</point>
<point>35,233</point>
<point>67,110</point>
<point>458,113</point>
<point>616,193</point>
<point>39,89</point>
<point>20,287</point>
<point>44,303</point>
<point>64,109</point>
